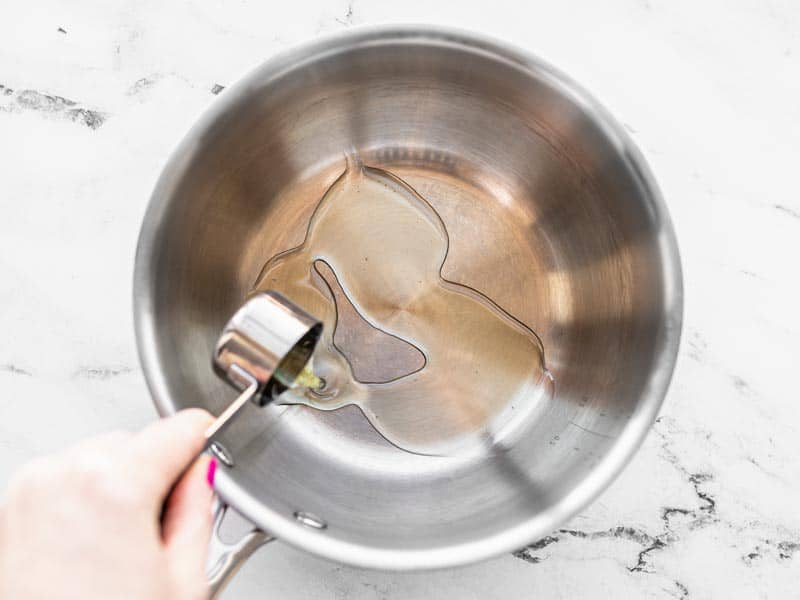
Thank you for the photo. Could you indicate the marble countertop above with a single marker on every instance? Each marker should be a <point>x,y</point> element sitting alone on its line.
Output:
<point>94,95</point>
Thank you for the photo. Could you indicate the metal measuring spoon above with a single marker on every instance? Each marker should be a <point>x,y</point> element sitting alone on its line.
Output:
<point>262,351</point>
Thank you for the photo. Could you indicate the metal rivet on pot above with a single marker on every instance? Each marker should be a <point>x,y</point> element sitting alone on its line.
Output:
<point>222,454</point>
<point>310,520</point>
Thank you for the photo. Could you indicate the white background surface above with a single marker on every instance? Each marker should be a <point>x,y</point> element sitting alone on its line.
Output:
<point>711,93</point>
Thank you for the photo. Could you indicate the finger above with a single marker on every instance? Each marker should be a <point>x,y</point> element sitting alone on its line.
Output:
<point>109,443</point>
<point>187,522</point>
<point>167,447</point>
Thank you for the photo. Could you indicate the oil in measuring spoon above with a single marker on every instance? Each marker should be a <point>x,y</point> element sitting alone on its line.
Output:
<point>436,367</point>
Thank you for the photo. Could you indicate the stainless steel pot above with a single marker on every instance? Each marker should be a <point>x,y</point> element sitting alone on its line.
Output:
<point>552,212</point>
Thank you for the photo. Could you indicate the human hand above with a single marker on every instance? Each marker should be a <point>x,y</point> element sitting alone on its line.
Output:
<point>86,523</point>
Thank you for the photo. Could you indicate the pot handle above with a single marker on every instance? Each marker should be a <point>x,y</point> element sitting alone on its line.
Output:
<point>224,560</point>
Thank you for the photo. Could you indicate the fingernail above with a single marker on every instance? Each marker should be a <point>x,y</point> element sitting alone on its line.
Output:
<point>212,470</point>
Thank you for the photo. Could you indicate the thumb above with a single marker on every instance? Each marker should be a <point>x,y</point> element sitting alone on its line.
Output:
<point>186,526</point>
<point>167,447</point>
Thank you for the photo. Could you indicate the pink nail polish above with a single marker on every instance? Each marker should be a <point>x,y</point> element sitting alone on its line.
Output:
<point>212,470</point>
